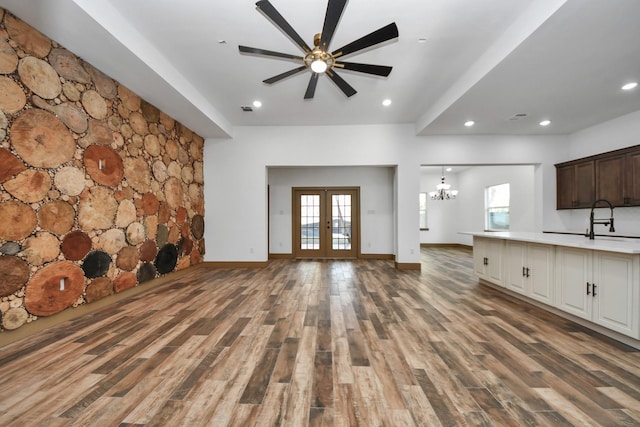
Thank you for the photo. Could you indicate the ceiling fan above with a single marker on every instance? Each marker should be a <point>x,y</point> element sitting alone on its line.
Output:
<point>319,60</point>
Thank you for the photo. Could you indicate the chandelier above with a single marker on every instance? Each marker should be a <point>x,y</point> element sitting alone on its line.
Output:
<point>443,191</point>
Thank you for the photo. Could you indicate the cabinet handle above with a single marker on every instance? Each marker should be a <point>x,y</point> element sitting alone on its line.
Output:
<point>594,289</point>
<point>486,261</point>
<point>527,271</point>
<point>523,272</point>
<point>588,288</point>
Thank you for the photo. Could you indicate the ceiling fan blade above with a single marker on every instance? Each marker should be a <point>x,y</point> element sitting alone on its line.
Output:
<point>256,51</point>
<point>289,73</point>
<point>380,35</point>
<point>268,9</point>
<point>339,81</point>
<point>378,70</point>
<point>331,19</point>
<point>311,88</point>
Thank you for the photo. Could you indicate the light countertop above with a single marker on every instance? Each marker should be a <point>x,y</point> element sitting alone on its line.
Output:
<point>600,243</point>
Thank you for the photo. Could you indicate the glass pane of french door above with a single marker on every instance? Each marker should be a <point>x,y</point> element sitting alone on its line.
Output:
<point>310,221</point>
<point>341,222</point>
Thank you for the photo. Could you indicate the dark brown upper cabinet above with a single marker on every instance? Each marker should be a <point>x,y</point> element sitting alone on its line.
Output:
<point>614,176</point>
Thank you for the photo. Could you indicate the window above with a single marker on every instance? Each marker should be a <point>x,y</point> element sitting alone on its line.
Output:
<point>423,211</point>
<point>497,207</point>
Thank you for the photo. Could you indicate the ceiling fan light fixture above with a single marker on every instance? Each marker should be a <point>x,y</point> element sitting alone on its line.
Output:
<point>318,66</point>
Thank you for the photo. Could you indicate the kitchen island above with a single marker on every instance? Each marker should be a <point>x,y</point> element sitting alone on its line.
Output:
<point>593,282</point>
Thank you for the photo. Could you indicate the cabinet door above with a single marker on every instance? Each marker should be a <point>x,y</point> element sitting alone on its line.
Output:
<point>584,184</point>
<point>616,294</point>
<point>495,256</point>
<point>515,266</point>
<point>610,179</point>
<point>573,271</point>
<point>479,254</point>
<point>565,183</point>
<point>541,268</point>
<point>632,179</point>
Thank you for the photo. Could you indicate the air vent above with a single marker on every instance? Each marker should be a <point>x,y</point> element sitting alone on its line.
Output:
<point>518,116</point>
<point>246,108</point>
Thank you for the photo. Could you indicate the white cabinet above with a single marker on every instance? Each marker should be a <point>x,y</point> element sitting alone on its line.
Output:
<point>488,257</point>
<point>599,286</point>
<point>529,269</point>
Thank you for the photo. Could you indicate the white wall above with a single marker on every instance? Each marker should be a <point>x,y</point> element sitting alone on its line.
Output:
<point>376,203</point>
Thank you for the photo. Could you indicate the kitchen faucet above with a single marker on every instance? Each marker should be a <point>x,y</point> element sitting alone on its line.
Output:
<point>593,220</point>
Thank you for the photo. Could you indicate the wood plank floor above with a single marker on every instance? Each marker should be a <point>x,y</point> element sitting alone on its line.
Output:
<point>321,344</point>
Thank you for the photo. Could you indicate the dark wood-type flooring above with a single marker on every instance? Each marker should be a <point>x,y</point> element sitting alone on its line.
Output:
<point>321,343</point>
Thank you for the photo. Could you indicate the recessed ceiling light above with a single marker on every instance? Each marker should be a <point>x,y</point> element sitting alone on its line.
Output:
<point>257,104</point>
<point>386,102</point>
<point>545,123</point>
<point>422,40</point>
<point>222,42</point>
<point>448,169</point>
<point>630,86</point>
<point>469,123</point>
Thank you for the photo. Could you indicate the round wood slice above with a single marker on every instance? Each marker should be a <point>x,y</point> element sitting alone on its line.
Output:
<point>135,233</point>
<point>57,216</point>
<point>197,226</point>
<point>186,246</point>
<point>146,272</point>
<point>76,245</point>
<point>150,204</point>
<point>167,259</point>
<point>18,220</point>
<point>174,234</point>
<point>28,38</point>
<point>98,134</point>
<point>163,235</point>
<point>96,264</point>
<point>40,77</point>
<point>8,58</point>
<point>174,170</point>
<point>12,98</point>
<point>68,65</point>
<point>11,165</point>
<point>185,230</point>
<point>148,251</point>
<point>136,171</point>
<point>130,100</point>
<point>167,121</point>
<point>138,123</point>
<point>98,289</point>
<point>151,226</point>
<point>201,247</point>
<point>94,104</point>
<point>164,213</point>
<point>185,132</point>
<point>124,281</point>
<point>172,149</point>
<point>44,294</point>
<point>159,171</point>
<point>104,84</point>
<point>152,145</point>
<point>70,90</point>
<point>42,248</point>
<point>111,241</point>
<point>183,156</point>
<point>15,273</point>
<point>69,180</point>
<point>195,257</point>
<point>126,213</point>
<point>70,115</point>
<point>150,112</point>
<point>104,165</point>
<point>198,172</point>
<point>14,318</point>
<point>183,263</point>
<point>10,248</point>
<point>173,192</point>
<point>181,215</point>
<point>187,174</point>
<point>128,258</point>
<point>97,209</point>
<point>30,186</point>
<point>41,139</point>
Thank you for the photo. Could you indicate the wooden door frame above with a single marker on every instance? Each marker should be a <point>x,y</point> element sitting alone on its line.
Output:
<point>355,221</point>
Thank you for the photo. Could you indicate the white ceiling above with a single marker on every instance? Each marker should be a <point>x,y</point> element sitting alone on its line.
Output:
<point>486,61</point>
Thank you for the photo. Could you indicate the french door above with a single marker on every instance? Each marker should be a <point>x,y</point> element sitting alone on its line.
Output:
<point>326,222</point>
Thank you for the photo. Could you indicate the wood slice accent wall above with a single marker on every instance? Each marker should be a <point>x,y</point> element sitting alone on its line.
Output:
<point>99,190</point>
